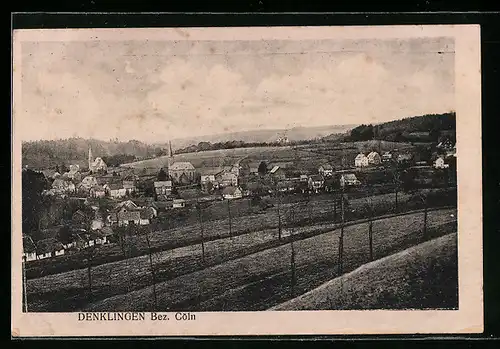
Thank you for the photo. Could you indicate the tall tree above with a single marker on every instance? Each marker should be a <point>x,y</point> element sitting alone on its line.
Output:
<point>262,168</point>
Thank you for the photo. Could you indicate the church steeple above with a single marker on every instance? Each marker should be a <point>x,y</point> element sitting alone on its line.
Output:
<point>91,159</point>
<point>170,154</point>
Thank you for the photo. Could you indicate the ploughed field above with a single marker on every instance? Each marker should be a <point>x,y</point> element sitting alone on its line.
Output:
<point>251,273</point>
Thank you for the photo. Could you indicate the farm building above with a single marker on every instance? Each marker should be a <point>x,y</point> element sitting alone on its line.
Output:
<point>29,249</point>
<point>230,193</point>
<point>316,183</point>
<point>405,158</point>
<point>97,191</point>
<point>440,163</point>
<point>178,169</point>
<point>227,179</point>
<point>278,173</point>
<point>386,157</point>
<point>178,203</point>
<point>162,188</point>
<point>63,186</point>
<point>116,190</point>
<point>349,179</point>
<point>374,158</point>
<point>325,170</point>
<point>361,160</point>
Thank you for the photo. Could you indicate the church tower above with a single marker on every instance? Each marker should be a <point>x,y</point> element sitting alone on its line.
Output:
<point>170,154</point>
<point>91,160</point>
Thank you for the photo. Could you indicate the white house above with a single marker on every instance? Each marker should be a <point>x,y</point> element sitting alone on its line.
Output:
<point>361,160</point>
<point>326,170</point>
<point>97,191</point>
<point>116,190</point>
<point>374,158</point>
<point>349,179</point>
<point>230,193</point>
<point>387,157</point>
<point>440,163</point>
<point>178,203</point>
<point>316,183</point>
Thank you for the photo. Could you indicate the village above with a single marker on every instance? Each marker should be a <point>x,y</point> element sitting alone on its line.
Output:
<point>111,199</point>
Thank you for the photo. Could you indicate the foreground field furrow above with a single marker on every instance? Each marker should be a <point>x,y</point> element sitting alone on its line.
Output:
<point>186,291</point>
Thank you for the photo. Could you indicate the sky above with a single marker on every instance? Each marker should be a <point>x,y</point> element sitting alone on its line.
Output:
<point>154,91</point>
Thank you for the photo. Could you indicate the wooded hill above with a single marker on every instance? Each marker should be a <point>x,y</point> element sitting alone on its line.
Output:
<point>425,128</point>
<point>51,153</point>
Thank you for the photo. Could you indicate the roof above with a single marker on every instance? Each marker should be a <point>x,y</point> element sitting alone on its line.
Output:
<point>360,156</point>
<point>48,245</point>
<point>208,177</point>
<point>178,201</point>
<point>115,186</point>
<point>128,215</point>
<point>147,213</point>
<point>230,190</point>
<point>349,176</point>
<point>106,231</point>
<point>316,178</point>
<point>372,154</point>
<point>98,188</point>
<point>128,204</point>
<point>28,245</point>
<point>274,169</point>
<point>303,176</point>
<point>327,167</point>
<point>181,166</point>
<point>160,184</point>
<point>404,156</point>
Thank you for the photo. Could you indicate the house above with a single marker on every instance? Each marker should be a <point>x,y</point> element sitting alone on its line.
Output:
<point>29,249</point>
<point>96,165</point>
<point>116,190</point>
<point>97,222</point>
<point>361,160</point>
<point>446,144</point>
<point>88,182</point>
<point>162,189</point>
<point>123,218</point>
<point>63,186</point>
<point>227,179</point>
<point>278,173</point>
<point>348,179</point>
<point>326,170</point>
<point>440,163</point>
<point>161,206</point>
<point>177,169</point>
<point>80,219</point>
<point>386,157</point>
<point>178,203</point>
<point>97,191</point>
<point>303,178</point>
<point>404,158</point>
<point>374,158</point>
<point>129,186</point>
<point>47,248</point>
<point>316,183</point>
<point>230,193</point>
<point>127,205</point>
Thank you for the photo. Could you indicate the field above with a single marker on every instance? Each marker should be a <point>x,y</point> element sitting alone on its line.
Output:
<point>303,157</point>
<point>216,225</point>
<point>422,277</point>
<point>184,291</point>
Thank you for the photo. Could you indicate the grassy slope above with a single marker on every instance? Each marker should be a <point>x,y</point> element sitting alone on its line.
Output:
<point>187,291</point>
<point>421,277</point>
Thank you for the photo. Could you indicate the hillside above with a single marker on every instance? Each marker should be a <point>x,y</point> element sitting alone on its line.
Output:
<point>422,277</point>
<point>265,135</point>
<point>45,153</point>
<point>423,128</point>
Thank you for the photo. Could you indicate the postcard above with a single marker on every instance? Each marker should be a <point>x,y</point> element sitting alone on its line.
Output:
<point>247,181</point>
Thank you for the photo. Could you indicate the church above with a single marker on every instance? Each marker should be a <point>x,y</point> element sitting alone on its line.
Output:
<point>96,165</point>
<point>182,172</point>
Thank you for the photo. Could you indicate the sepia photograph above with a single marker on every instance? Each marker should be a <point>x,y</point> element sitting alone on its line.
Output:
<point>171,173</point>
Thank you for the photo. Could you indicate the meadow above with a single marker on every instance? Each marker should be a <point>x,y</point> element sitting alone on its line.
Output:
<point>231,285</point>
<point>421,277</point>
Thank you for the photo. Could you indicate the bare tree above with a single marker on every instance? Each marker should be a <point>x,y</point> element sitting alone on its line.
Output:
<point>146,233</point>
<point>90,255</point>
<point>370,225</point>
<point>396,178</point>
<point>229,215</point>
<point>341,237</point>
<point>200,218</point>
